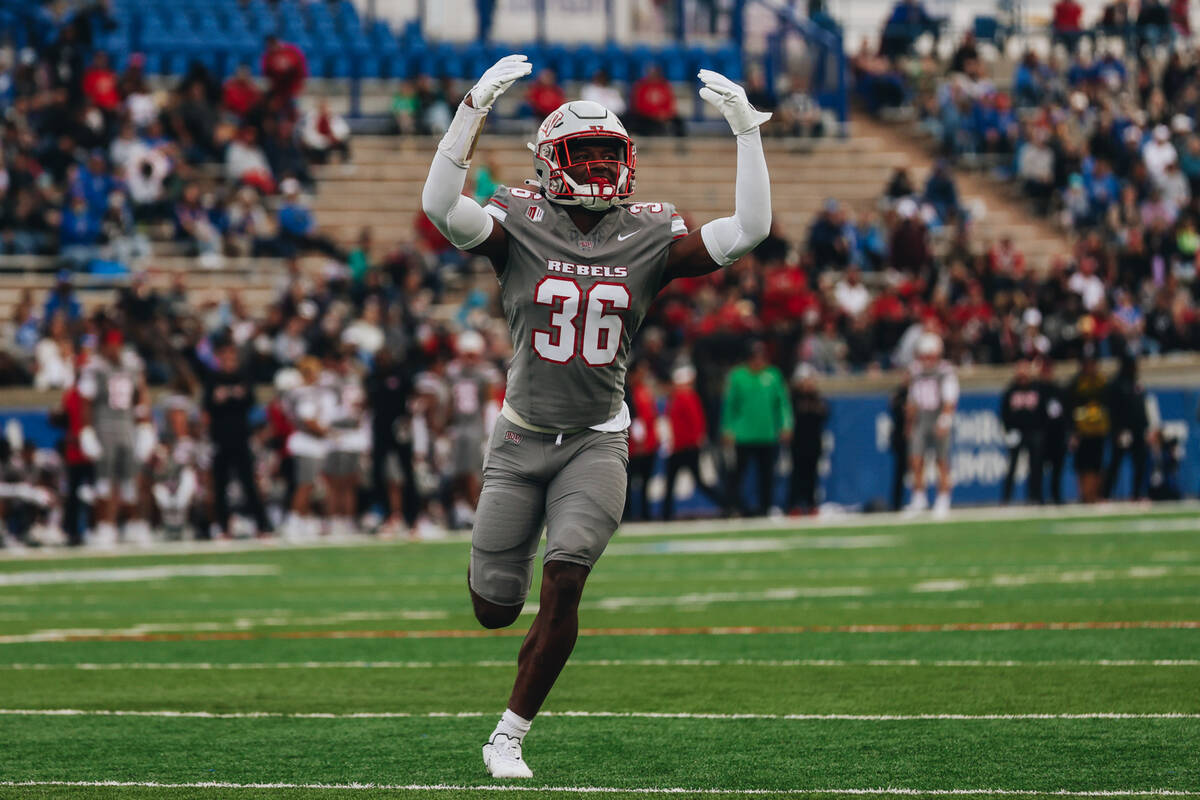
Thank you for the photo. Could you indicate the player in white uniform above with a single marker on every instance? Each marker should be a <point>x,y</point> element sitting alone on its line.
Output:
<point>349,440</point>
<point>578,268</point>
<point>932,399</point>
<point>312,407</point>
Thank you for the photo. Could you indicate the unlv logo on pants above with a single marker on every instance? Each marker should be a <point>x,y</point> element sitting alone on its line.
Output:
<point>509,436</point>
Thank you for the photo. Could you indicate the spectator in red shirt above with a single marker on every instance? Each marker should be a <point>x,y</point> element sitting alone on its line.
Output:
<point>100,84</point>
<point>240,94</point>
<point>285,67</point>
<point>1068,23</point>
<point>689,430</point>
<point>786,296</point>
<point>653,106</point>
<point>70,416</point>
<point>545,94</point>
<point>643,439</point>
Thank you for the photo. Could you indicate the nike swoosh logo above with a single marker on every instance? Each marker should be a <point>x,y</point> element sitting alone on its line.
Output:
<point>623,236</point>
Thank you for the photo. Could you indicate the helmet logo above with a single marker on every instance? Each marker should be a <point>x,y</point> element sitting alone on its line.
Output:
<point>552,122</point>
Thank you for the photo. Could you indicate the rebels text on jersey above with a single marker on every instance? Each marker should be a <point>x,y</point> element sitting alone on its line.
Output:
<point>573,301</point>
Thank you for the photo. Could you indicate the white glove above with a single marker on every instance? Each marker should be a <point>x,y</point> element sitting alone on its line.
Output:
<point>730,99</point>
<point>496,80</point>
<point>89,443</point>
<point>458,144</point>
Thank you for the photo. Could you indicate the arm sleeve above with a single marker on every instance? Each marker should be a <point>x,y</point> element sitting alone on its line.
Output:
<point>729,238</point>
<point>458,217</point>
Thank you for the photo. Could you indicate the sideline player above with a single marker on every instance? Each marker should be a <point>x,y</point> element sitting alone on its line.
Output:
<point>932,399</point>
<point>114,386</point>
<point>471,380</point>
<point>578,267</point>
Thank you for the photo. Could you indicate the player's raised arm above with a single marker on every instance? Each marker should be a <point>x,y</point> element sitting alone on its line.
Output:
<point>459,218</point>
<point>723,241</point>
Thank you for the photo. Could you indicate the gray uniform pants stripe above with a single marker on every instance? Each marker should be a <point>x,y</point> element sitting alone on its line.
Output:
<point>576,488</point>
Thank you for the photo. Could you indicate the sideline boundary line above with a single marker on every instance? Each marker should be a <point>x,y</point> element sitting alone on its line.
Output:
<point>802,525</point>
<point>167,714</point>
<point>445,787</point>
<point>949,627</point>
<point>245,666</point>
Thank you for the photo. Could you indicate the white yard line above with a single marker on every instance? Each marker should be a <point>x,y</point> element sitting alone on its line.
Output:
<point>127,574</point>
<point>650,790</point>
<point>1102,527</point>
<point>804,525</point>
<point>173,666</point>
<point>1099,715</point>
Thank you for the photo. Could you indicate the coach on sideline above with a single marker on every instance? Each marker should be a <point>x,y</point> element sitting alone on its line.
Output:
<point>755,417</point>
<point>228,399</point>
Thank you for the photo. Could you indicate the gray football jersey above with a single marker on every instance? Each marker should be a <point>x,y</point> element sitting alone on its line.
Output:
<point>112,388</point>
<point>573,302</point>
<point>931,389</point>
<point>469,386</point>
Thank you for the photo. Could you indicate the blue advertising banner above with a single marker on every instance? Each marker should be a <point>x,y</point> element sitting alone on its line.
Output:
<point>860,464</point>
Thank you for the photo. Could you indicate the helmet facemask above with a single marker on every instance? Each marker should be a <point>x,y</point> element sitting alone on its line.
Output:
<point>599,182</point>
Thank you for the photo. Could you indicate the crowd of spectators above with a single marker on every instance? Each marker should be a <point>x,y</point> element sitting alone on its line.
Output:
<point>1099,138</point>
<point>96,162</point>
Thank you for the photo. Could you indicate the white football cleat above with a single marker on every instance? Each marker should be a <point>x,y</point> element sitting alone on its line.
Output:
<point>502,757</point>
<point>941,506</point>
<point>918,503</point>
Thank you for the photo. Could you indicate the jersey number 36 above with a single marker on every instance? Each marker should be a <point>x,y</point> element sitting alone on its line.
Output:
<point>600,339</point>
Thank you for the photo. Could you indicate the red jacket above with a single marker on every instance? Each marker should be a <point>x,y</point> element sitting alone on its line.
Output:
<point>643,439</point>
<point>688,425</point>
<point>1068,16</point>
<point>653,99</point>
<point>286,68</point>
<point>72,403</point>
<point>239,97</point>
<point>100,85</point>
<point>544,99</point>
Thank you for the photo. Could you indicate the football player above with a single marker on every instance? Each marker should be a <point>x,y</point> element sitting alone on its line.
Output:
<point>471,380</point>
<point>114,386</point>
<point>312,408</point>
<point>932,399</point>
<point>348,442</point>
<point>578,266</point>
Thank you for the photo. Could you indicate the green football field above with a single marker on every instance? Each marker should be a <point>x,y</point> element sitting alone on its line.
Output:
<point>1019,656</point>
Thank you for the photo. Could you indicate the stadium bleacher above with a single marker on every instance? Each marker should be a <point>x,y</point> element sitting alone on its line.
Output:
<point>339,43</point>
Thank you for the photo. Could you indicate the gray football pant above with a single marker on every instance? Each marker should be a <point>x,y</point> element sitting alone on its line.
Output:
<point>576,488</point>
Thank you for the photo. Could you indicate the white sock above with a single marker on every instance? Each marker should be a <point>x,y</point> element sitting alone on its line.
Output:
<point>512,725</point>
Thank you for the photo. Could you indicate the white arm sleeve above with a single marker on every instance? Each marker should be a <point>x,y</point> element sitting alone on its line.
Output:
<point>459,218</point>
<point>729,238</point>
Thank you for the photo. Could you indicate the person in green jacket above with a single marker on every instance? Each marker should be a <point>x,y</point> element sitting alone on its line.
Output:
<point>756,416</point>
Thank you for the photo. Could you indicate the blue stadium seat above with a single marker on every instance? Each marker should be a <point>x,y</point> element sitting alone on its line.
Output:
<point>730,61</point>
<point>673,61</point>
<point>347,15</point>
<point>335,66</point>
<point>615,62</point>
